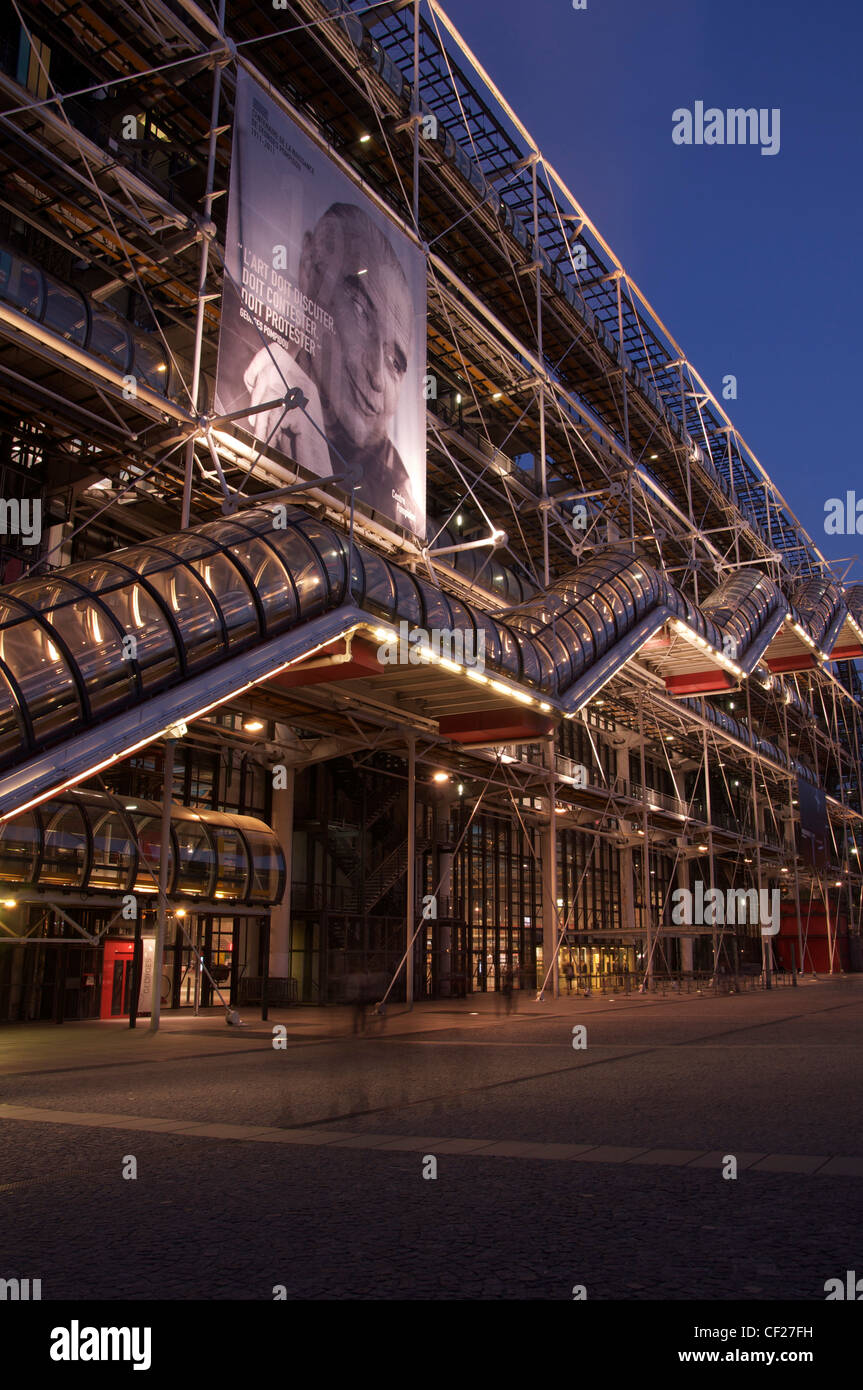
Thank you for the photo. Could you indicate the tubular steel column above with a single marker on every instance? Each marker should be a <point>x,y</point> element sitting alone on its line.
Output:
<point>416,115</point>
<point>202,274</point>
<point>164,851</point>
<point>645,855</point>
<point>549,883</point>
<point>410,894</point>
<point>543,471</point>
<point>756,825</point>
<point>708,808</point>
<point>794,845</point>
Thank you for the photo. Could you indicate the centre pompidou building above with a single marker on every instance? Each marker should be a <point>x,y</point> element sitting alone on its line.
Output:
<point>387,603</point>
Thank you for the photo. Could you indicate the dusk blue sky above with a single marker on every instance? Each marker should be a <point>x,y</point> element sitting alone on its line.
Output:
<point>750,259</point>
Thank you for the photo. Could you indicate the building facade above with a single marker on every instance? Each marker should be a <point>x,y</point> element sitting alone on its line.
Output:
<point>602,710</point>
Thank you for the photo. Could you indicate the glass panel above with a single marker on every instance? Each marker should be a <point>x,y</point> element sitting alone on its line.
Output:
<point>304,569</point>
<point>149,832</point>
<point>545,662</point>
<point>141,618</point>
<point>462,623</point>
<point>109,338</point>
<point>43,593</point>
<point>97,650</point>
<point>624,593</point>
<point>151,363</point>
<point>231,592</point>
<point>20,284</point>
<point>65,312</point>
<point>379,590</point>
<point>529,660</point>
<point>509,651</point>
<point>11,728</point>
<point>332,552</point>
<point>189,546</point>
<point>143,559</point>
<point>19,848</point>
<point>267,573</point>
<point>43,677</point>
<point>267,866</point>
<point>113,851</point>
<point>612,601</point>
<point>437,612</point>
<point>572,642</point>
<point>192,609</point>
<point>600,620</point>
<point>492,639</point>
<point>407,597</point>
<point>232,870</point>
<point>197,857</point>
<point>65,856</point>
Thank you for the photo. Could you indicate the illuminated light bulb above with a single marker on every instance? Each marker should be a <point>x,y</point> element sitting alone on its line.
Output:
<point>440,777</point>
<point>253,726</point>
<point>476,676</point>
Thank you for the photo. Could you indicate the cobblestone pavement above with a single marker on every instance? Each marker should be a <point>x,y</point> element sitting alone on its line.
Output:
<point>215,1218</point>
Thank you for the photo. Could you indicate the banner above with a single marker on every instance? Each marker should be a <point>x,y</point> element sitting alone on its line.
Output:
<point>322,292</point>
<point>148,960</point>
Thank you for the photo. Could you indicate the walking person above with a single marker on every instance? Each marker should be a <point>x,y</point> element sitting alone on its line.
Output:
<point>569,973</point>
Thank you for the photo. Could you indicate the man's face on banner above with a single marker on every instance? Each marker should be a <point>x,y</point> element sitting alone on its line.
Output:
<point>350,269</point>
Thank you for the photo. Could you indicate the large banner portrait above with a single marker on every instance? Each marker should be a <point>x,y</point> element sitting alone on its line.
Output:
<point>324,293</point>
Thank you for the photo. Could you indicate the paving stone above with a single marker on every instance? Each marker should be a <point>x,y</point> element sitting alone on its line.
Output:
<point>205,1131</point>
<point>672,1157</point>
<point>789,1163</point>
<point>842,1167</point>
<point>360,1141</point>
<point>294,1136</point>
<point>715,1160</point>
<point>608,1153</point>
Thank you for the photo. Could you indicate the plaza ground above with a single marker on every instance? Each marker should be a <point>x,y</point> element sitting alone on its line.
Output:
<point>303,1167</point>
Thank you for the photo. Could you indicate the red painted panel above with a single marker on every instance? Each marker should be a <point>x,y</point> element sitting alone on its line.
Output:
<point>699,682</point>
<point>496,726</point>
<point>803,662</point>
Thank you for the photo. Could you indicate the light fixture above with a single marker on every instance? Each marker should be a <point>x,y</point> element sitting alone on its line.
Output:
<point>10,902</point>
<point>364,139</point>
<point>461,788</point>
<point>253,726</point>
<point>497,395</point>
<point>440,777</point>
<point>181,912</point>
<point>133,806</point>
<point>364,271</point>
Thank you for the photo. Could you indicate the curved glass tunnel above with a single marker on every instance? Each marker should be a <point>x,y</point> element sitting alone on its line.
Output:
<point>96,843</point>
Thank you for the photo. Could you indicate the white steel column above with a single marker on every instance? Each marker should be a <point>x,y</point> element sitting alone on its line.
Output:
<point>410,893</point>
<point>164,852</point>
<point>280,917</point>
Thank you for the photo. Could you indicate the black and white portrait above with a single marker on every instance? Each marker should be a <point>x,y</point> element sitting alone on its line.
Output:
<point>322,293</point>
